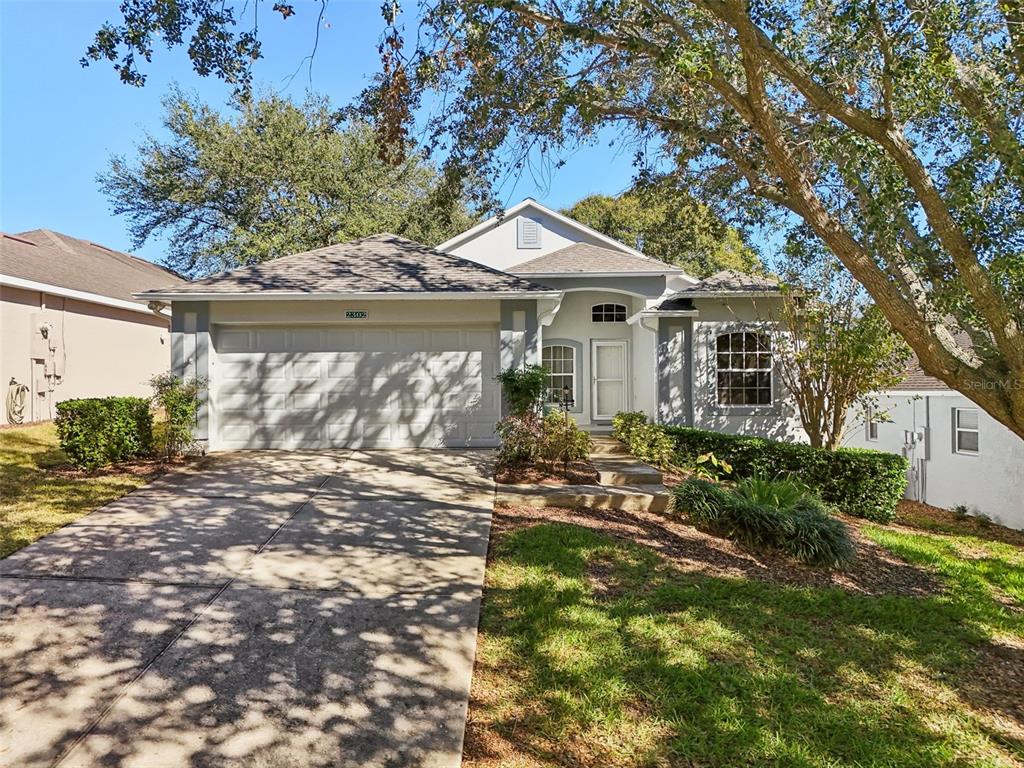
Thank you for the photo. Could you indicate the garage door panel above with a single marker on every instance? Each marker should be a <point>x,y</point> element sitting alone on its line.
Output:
<point>367,387</point>
<point>272,341</point>
<point>304,369</point>
<point>306,340</point>
<point>235,341</point>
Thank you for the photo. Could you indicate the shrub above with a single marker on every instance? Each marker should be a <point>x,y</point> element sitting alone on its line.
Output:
<point>523,388</point>
<point>562,439</point>
<point>521,437</point>
<point>97,431</point>
<point>647,442</point>
<point>782,493</point>
<point>528,438</point>
<point>704,501</point>
<point>857,481</point>
<point>179,400</point>
<point>803,529</point>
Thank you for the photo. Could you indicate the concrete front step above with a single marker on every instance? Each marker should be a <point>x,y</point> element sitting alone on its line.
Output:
<point>608,446</point>
<point>642,498</point>
<point>625,470</point>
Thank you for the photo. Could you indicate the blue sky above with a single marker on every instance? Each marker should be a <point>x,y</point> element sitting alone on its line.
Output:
<point>59,122</point>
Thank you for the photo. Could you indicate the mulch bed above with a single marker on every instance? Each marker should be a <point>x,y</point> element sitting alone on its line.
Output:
<point>874,570</point>
<point>574,473</point>
<point>915,514</point>
<point>151,468</point>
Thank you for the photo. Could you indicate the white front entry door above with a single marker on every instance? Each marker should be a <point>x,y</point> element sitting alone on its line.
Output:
<point>609,376</point>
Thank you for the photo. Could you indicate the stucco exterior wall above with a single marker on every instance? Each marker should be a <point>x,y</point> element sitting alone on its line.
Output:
<point>107,351</point>
<point>990,482</point>
<point>498,246</point>
<point>574,323</point>
<point>778,421</point>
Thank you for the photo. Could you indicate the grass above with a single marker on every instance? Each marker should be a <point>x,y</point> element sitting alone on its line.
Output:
<point>595,651</point>
<point>38,492</point>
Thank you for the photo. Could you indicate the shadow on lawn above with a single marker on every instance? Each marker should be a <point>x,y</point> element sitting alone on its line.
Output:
<point>596,652</point>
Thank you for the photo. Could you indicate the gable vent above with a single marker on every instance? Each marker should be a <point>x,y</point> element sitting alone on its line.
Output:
<point>528,233</point>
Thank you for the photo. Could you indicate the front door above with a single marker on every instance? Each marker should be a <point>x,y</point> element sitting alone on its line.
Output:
<point>609,369</point>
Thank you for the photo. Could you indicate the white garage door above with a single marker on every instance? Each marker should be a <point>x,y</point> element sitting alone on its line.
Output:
<point>368,387</point>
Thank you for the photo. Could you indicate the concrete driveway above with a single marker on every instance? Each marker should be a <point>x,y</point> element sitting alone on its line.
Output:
<point>265,609</point>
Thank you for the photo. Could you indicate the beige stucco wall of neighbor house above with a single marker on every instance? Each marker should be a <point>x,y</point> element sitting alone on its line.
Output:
<point>778,421</point>
<point>989,482</point>
<point>107,350</point>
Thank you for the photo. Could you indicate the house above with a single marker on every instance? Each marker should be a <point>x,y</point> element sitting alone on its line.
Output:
<point>383,342</point>
<point>959,455</point>
<point>70,325</point>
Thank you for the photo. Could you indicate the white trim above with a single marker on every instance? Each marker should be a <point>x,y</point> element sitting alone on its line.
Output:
<point>529,202</point>
<point>527,275</point>
<point>920,393</point>
<point>70,293</point>
<point>594,344</point>
<point>342,296</point>
<point>685,294</point>
<point>669,313</point>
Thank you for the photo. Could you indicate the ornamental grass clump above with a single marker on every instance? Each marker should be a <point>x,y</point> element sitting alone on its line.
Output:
<point>771,514</point>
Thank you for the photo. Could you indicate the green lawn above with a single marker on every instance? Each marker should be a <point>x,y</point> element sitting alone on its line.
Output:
<point>595,651</point>
<point>39,494</point>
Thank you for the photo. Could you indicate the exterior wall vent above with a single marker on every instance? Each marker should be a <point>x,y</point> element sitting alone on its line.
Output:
<point>528,234</point>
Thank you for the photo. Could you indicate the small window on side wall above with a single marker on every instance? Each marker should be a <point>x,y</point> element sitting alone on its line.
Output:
<point>608,313</point>
<point>744,368</point>
<point>871,425</point>
<point>965,430</point>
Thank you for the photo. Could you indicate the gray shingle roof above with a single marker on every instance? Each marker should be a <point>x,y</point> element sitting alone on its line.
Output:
<point>915,379</point>
<point>724,283</point>
<point>382,263</point>
<point>584,258</point>
<point>79,265</point>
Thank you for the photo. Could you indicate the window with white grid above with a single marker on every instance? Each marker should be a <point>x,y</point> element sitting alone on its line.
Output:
<point>608,313</point>
<point>560,360</point>
<point>744,367</point>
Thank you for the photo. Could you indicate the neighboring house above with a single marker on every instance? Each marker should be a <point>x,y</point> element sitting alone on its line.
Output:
<point>958,453</point>
<point>384,342</point>
<point>70,325</point>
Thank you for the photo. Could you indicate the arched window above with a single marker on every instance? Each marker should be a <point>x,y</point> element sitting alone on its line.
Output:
<point>608,313</point>
<point>560,360</point>
<point>744,363</point>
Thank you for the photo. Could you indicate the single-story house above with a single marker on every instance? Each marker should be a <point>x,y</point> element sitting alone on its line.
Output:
<point>959,455</point>
<point>71,326</point>
<point>384,342</point>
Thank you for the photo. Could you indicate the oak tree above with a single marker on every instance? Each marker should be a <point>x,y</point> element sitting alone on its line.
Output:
<point>890,128</point>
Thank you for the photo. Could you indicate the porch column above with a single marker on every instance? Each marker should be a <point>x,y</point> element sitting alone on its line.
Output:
<point>520,333</point>
<point>190,353</point>
<point>675,359</point>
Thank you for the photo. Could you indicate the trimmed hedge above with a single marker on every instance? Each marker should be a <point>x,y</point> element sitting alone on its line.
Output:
<point>857,481</point>
<point>805,531</point>
<point>97,431</point>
